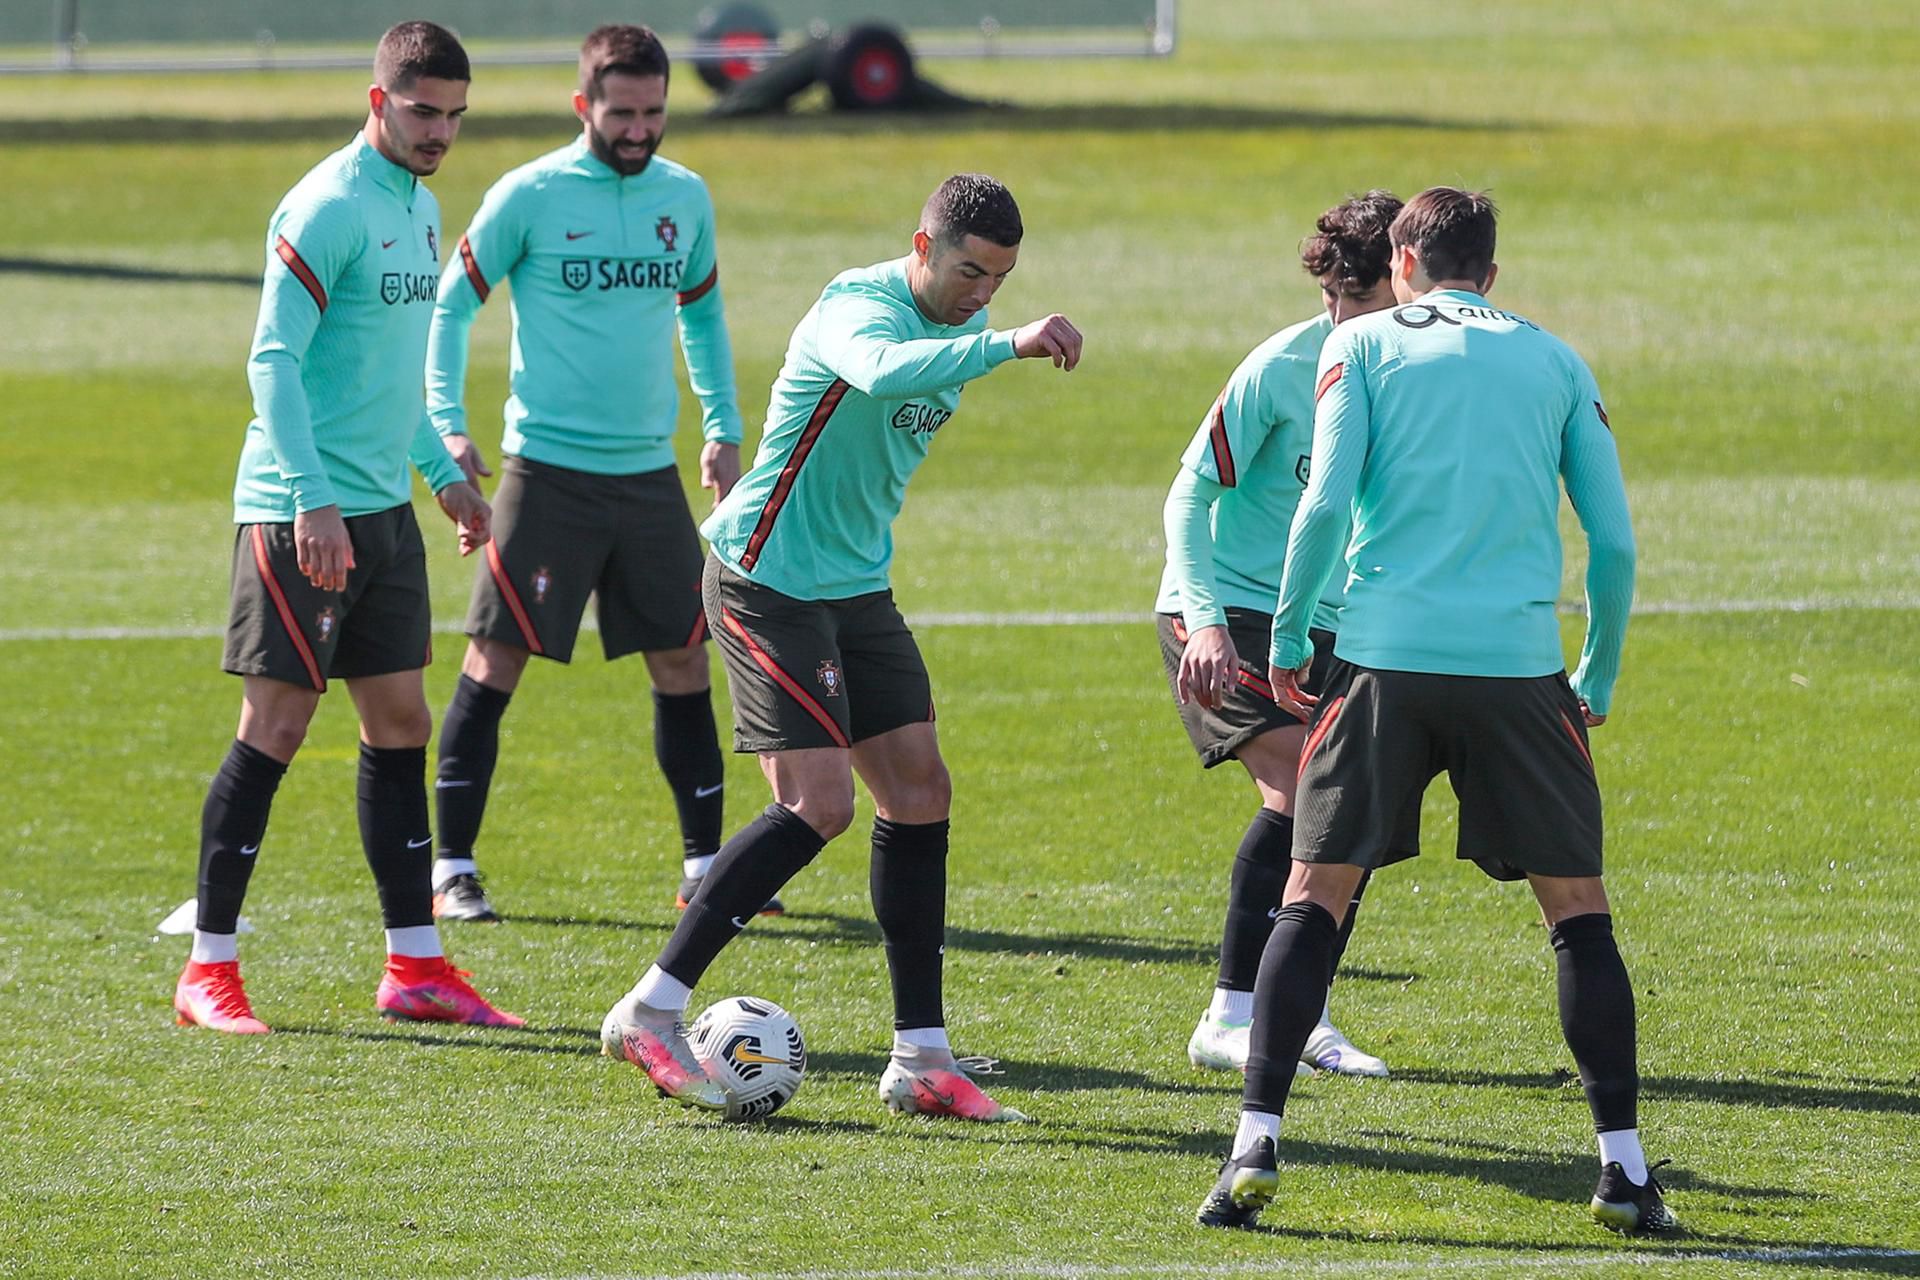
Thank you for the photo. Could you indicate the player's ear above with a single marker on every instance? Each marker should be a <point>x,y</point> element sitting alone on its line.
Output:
<point>923,245</point>
<point>1486,286</point>
<point>376,98</point>
<point>581,107</point>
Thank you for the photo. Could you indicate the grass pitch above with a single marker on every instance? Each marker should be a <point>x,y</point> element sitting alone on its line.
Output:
<point>1706,199</point>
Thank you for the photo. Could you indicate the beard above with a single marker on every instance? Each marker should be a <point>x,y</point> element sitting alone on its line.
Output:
<point>625,161</point>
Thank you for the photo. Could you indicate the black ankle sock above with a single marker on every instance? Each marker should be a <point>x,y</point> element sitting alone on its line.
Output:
<point>1253,895</point>
<point>751,867</point>
<point>688,749</point>
<point>232,823</point>
<point>469,748</point>
<point>909,886</point>
<point>1596,1016</point>
<point>1346,929</point>
<point>1287,1001</point>
<point>394,832</point>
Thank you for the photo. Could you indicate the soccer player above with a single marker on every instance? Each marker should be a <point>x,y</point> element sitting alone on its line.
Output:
<point>329,571</point>
<point>826,678</point>
<point>1444,430</point>
<point>1226,519</point>
<point>609,247</point>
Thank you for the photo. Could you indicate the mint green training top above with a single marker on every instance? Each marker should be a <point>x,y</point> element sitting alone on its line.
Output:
<point>1227,515</point>
<point>603,267</point>
<point>352,267</point>
<point>1443,431</point>
<point>867,383</point>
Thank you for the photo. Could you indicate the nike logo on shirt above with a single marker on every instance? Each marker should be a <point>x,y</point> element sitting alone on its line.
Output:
<point>701,793</point>
<point>388,244</point>
<point>576,235</point>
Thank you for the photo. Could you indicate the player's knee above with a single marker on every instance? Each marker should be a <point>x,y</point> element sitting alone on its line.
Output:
<point>828,813</point>
<point>280,738</point>
<point>679,671</point>
<point>494,664</point>
<point>403,726</point>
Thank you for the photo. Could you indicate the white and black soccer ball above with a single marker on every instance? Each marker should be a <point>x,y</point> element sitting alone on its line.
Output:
<point>754,1050</point>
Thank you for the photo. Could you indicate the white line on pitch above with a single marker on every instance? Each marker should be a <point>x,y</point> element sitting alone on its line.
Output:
<point>1317,1266</point>
<point>1040,618</point>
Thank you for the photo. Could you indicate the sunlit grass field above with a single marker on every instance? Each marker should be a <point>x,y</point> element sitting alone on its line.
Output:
<point>1713,202</point>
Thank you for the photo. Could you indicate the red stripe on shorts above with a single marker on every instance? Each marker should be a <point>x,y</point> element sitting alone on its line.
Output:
<point>512,597</point>
<point>1320,731</point>
<point>1578,745</point>
<point>301,271</point>
<point>699,631</point>
<point>829,401</point>
<point>285,610</point>
<point>1248,680</point>
<point>785,681</point>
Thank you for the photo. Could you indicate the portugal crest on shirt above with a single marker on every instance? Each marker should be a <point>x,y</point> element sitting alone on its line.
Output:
<point>668,233</point>
<point>575,273</point>
<point>433,244</point>
<point>829,676</point>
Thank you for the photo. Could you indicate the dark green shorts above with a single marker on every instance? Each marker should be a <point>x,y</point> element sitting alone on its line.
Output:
<point>814,673</point>
<point>281,626</point>
<point>560,536</point>
<point>1248,710</point>
<point>1515,750</point>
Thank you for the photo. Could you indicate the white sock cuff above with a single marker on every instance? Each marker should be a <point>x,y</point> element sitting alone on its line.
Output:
<point>1231,1006</point>
<point>1255,1125</point>
<point>923,1038</point>
<point>1622,1147</point>
<point>213,948</point>
<point>697,866</point>
<point>661,990</point>
<point>419,942</point>
<point>445,869</point>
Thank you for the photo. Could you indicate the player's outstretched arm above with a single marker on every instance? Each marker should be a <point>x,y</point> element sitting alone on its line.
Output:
<point>859,339</point>
<point>1053,338</point>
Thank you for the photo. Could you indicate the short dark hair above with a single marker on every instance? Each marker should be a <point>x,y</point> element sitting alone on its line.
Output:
<point>1350,241</point>
<point>972,204</point>
<point>620,48</point>
<point>413,51</point>
<point>1451,230</point>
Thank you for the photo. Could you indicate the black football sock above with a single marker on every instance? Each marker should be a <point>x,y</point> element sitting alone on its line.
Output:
<point>688,749</point>
<point>232,823</point>
<point>469,748</point>
<point>1596,1016</point>
<point>1346,929</point>
<point>394,832</point>
<point>909,885</point>
<point>1253,897</point>
<point>750,868</point>
<point>1287,1001</point>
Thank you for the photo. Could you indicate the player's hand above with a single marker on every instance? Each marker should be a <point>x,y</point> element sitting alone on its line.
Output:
<point>719,468</point>
<point>1286,689</point>
<point>467,509</point>
<point>325,551</point>
<point>468,455</point>
<point>1207,667</point>
<point>1593,721</point>
<point>1054,338</point>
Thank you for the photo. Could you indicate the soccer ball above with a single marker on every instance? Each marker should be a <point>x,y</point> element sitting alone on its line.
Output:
<point>753,1049</point>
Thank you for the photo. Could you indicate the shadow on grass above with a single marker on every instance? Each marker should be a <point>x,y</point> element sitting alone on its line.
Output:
<point>118,272</point>
<point>861,930</point>
<point>450,1036</point>
<point>1889,1096</point>
<point>590,922</point>
<point>1037,1077</point>
<point>556,128</point>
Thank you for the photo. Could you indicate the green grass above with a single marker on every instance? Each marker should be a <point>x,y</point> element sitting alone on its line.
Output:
<point>1708,200</point>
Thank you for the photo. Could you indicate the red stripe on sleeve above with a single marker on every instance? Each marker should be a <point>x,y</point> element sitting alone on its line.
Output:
<point>1327,380</point>
<point>301,271</point>
<point>1222,451</point>
<point>512,597</point>
<point>280,606</point>
<point>474,275</point>
<point>766,663</point>
<point>700,290</point>
<point>816,423</point>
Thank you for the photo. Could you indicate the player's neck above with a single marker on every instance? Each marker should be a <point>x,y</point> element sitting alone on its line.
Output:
<point>1477,287</point>
<point>376,137</point>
